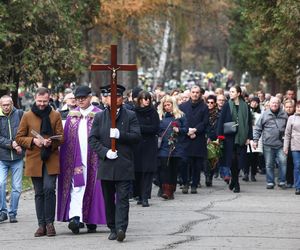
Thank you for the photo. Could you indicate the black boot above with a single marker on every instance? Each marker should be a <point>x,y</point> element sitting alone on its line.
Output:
<point>231,185</point>
<point>145,203</point>
<point>236,188</point>
<point>246,177</point>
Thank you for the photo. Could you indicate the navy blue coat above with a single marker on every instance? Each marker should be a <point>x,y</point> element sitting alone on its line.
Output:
<point>197,117</point>
<point>226,116</point>
<point>145,152</point>
<point>179,147</point>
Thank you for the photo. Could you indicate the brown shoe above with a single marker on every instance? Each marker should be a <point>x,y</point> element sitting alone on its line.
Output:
<point>50,230</point>
<point>41,231</point>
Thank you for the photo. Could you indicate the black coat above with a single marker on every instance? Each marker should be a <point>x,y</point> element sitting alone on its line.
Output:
<point>121,168</point>
<point>145,152</point>
<point>197,117</point>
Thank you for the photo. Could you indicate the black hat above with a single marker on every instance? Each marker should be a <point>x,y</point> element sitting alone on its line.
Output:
<point>82,91</point>
<point>256,99</point>
<point>135,92</point>
<point>104,92</point>
<point>107,90</point>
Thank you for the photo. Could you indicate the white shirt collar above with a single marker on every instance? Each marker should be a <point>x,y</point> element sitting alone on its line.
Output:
<point>85,112</point>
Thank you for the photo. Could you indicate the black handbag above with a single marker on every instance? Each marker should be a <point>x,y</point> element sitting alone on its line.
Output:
<point>230,128</point>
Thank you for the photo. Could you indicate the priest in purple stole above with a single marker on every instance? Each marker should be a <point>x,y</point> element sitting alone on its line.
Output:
<point>80,198</point>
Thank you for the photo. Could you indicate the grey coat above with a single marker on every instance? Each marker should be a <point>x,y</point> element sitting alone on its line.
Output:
<point>271,128</point>
<point>121,168</point>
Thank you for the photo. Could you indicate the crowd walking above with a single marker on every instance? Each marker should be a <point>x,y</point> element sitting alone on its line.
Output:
<point>166,139</point>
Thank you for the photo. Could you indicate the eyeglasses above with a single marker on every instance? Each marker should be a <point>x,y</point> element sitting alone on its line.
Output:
<point>81,98</point>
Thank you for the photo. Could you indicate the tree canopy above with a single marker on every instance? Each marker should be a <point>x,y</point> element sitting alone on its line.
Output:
<point>265,39</point>
<point>41,41</point>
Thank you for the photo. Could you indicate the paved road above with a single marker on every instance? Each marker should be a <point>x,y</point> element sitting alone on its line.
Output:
<point>215,218</point>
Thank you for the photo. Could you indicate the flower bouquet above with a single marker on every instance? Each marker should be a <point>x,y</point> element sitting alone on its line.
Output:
<point>172,139</point>
<point>215,151</point>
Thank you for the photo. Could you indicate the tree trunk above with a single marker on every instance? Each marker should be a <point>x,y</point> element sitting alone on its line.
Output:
<point>163,56</point>
<point>298,81</point>
<point>176,55</point>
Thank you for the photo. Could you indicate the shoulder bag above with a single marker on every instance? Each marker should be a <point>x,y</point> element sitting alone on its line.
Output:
<point>159,141</point>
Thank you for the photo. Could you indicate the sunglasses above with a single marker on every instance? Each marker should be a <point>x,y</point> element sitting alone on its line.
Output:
<point>210,102</point>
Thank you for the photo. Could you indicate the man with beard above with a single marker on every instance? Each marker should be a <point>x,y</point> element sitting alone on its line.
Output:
<point>42,157</point>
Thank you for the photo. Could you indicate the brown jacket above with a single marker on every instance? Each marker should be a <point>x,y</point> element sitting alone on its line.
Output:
<point>33,163</point>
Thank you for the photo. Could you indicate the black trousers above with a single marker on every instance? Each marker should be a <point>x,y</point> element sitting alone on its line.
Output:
<point>45,197</point>
<point>116,199</point>
<point>143,184</point>
<point>196,164</point>
<point>251,163</point>
<point>239,155</point>
<point>169,169</point>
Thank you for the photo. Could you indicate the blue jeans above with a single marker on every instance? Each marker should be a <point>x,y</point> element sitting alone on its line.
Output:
<point>296,160</point>
<point>272,154</point>
<point>225,171</point>
<point>16,168</point>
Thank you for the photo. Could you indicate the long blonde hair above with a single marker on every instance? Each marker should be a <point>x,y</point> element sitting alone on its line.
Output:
<point>176,111</point>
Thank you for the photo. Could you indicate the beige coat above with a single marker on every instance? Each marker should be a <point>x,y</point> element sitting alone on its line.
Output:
<point>33,162</point>
<point>292,133</point>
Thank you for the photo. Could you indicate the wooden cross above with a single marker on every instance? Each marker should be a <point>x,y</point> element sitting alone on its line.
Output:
<point>113,68</point>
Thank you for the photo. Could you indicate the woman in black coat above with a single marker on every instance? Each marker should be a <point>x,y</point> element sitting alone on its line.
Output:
<point>235,145</point>
<point>145,153</point>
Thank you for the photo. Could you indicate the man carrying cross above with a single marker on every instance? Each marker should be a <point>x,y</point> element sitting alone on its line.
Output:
<point>116,169</point>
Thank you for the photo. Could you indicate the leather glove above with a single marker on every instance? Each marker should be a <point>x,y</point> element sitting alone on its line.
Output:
<point>114,133</point>
<point>111,154</point>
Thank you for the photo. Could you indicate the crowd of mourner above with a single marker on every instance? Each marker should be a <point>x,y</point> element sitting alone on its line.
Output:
<point>167,139</point>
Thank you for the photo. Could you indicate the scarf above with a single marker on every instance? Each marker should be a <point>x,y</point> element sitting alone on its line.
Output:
<point>143,109</point>
<point>45,129</point>
<point>240,115</point>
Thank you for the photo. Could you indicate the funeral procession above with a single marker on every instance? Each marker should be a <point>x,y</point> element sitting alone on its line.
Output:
<point>150,124</point>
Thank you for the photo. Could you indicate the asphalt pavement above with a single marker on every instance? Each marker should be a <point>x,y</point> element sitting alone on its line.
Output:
<point>214,218</point>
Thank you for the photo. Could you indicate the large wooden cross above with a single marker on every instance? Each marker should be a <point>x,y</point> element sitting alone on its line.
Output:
<point>113,68</point>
